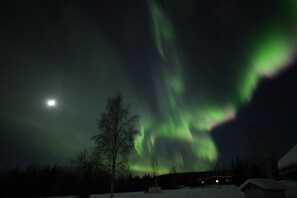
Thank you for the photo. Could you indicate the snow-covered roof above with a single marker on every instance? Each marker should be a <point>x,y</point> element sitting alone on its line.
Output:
<point>288,159</point>
<point>216,177</point>
<point>265,184</point>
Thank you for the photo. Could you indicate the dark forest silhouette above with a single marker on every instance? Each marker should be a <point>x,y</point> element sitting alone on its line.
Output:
<point>60,181</point>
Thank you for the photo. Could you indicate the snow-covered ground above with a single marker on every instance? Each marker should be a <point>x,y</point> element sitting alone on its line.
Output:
<point>183,193</point>
<point>217,192</point>
<point>180,193</point>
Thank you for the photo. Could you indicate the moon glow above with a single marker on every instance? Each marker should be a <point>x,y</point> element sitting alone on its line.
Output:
<point>51,103</point>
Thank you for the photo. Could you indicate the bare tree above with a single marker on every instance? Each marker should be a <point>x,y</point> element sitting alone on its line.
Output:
<point>86,163</point>
<point>257,137</point>
<point>115,140</point>
<point>172,170</point>
<point>85,160</point>
<point>154,163</point>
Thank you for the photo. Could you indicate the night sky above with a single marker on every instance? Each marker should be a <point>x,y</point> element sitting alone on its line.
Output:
<point>199,72</point>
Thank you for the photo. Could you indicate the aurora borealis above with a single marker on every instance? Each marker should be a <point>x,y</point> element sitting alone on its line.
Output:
<point>186,68</point>
<point>190,124</point>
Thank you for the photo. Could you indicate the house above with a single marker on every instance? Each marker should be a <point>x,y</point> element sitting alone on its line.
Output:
<point>215,180</point>
<point>263,188</point>
<point>288,164</point>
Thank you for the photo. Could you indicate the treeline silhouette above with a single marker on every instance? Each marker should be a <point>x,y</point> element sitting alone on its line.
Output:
<point>48,181</point>
<point>60,181</point>
<point>244,169</point>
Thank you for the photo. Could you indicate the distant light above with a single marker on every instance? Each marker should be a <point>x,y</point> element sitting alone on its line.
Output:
<point>217,181</point>
<point>51,103</point>
<point>202,182</point>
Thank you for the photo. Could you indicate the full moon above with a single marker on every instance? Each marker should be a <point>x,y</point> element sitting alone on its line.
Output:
<point>51,103</point>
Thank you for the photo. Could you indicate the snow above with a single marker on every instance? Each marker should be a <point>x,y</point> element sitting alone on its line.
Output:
<point>218,192</point>
<point>210,192</point>
<point>288,159</point>
<point>266,184</point>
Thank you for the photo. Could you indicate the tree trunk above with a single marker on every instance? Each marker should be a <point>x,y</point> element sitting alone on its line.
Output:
<point>112,179</point>
<point>111,187</point>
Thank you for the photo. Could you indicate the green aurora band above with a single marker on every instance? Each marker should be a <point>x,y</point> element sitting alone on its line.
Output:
<point>189,125</point>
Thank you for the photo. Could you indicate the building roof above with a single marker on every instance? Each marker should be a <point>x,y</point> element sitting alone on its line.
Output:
<point>263,183</point>
<point>288,159</point>
<point>216,177</point>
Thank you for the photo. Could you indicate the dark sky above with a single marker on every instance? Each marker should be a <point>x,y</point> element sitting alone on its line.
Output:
<point>199,73</point>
